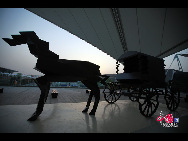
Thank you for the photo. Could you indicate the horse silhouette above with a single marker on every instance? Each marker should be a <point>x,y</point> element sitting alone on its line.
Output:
<point>58,70</point>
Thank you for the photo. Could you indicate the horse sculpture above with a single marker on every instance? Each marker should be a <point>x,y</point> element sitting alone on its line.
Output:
<point>58,70</point>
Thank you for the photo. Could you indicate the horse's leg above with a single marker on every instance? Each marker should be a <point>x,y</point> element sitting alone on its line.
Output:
<point>88,85</point>
<point>44,86</point>
<point>94,91</point>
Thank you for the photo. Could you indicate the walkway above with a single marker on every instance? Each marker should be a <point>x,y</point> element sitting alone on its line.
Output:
<point>17,105</point>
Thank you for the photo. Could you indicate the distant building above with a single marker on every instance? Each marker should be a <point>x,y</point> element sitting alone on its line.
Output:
<point>5,76</point>
<point>5,70</point>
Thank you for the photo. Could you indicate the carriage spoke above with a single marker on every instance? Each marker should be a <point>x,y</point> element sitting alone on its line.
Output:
<point>115,97</point>
<point>151,106</point>
<point>145,108</point>
<point>148,109</point>
<point>110,95</point>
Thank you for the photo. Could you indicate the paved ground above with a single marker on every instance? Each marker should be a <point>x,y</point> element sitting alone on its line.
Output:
<point>121,117</point>
<point>30,95</point>
<point>63,114</point>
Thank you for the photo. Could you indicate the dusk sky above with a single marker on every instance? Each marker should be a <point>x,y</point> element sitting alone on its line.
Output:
<point>61,42</point>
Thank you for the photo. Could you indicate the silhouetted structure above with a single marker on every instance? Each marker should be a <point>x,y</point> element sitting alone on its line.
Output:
<point>5,70</point>
<point>144,79</point>
<point>58,70</point>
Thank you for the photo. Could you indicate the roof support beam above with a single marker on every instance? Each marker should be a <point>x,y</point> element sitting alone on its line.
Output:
<point>117,19</point>
<point>179,44</point>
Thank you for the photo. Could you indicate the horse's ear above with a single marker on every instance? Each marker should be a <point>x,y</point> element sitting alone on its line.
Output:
<point>20,39</point>
<point>11,42</point>
<point>31,34</point>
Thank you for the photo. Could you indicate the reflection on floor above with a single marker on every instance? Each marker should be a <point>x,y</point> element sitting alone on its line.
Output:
<point>121,117</point>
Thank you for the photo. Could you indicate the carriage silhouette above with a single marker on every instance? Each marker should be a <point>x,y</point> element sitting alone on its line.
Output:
<point>143,81</point>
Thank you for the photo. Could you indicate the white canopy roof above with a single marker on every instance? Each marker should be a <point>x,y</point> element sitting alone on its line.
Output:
<point>159,32</point>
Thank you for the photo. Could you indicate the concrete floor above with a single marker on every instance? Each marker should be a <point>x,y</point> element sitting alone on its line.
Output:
<point>121,117</point>
<point>63,115</point>
<point>30,95</point>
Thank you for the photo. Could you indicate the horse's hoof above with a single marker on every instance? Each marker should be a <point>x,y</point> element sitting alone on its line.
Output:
<point>85,110</point>
<point>92,113</point>
<point>33,117</point>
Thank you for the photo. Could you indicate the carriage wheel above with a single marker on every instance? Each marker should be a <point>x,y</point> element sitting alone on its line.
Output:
<point>150,104</point>
<point>134,94</point>
<point>172,98</point>
<point>112,92</point>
